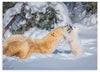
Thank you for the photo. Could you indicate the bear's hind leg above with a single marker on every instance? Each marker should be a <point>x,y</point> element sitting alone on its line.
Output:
<point>18,48</point>
<point>24,49</point>
<point>75,47</point>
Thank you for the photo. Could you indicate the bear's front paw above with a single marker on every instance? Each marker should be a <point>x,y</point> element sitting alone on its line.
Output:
<point>72,54</point>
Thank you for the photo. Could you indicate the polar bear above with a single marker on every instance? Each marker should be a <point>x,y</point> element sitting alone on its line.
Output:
<point>23,47</point>
<point>73,39</point>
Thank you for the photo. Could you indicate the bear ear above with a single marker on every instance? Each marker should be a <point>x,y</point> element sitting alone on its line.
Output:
<point>66,29</point>
<point>66,25</point>
<point>53,34</point>
<point>63,28</point>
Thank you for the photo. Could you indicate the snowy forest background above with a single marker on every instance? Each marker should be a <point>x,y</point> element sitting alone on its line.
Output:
<point>36,20</point>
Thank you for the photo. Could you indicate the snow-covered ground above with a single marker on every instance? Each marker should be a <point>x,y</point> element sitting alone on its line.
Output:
<point>60,58</point>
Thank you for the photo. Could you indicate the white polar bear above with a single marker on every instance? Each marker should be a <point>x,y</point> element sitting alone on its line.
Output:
<point>72,37</point>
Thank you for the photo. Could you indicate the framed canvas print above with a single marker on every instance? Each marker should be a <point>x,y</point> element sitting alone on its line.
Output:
<point>49,35</point>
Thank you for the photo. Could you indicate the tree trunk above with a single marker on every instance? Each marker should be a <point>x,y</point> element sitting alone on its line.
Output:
<point>10,23</point>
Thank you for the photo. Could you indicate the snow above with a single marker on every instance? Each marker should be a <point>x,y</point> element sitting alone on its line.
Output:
<point>91,20</point>
<point>64,12</point>
<point>10,12</point>
<point>60,59</point>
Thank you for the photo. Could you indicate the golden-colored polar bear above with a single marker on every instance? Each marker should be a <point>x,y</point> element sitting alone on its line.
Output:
<point>23,47</point>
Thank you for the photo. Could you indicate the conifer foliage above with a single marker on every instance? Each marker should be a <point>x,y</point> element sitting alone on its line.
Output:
<point>42,20</point>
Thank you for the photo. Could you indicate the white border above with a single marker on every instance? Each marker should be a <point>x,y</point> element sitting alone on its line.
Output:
<point>52,0</point>
<point>98,63</point>
<point>0,36</point>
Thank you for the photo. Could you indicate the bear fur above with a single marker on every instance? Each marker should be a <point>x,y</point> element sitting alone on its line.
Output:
<point>23,47</point>
<point>73,39</point>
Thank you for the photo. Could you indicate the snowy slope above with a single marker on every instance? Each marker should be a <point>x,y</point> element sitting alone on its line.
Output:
<point>60,58</point>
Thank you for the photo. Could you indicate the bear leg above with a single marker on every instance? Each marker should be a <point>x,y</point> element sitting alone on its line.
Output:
<point>17,48</point>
